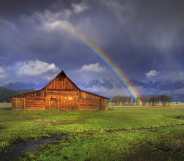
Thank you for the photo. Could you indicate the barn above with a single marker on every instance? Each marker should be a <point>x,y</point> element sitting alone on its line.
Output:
<point>61,93</point>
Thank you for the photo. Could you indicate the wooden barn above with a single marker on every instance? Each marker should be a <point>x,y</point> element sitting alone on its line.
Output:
<point>61,93</point>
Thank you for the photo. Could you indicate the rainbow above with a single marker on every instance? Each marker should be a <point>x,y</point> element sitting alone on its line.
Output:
<point>68,27</point>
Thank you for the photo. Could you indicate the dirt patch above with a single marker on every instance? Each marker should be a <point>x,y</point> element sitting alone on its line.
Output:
<point>20,147</point>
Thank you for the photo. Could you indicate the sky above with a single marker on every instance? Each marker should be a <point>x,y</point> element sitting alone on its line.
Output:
<point>144,38</point>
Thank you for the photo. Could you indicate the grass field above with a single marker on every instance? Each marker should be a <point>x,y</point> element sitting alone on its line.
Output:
<point>118,134</point>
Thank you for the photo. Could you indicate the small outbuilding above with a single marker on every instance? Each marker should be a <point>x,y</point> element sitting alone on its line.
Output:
<point>60,93</point>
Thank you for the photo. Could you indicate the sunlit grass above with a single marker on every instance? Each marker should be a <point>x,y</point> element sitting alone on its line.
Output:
<point>101,135</point>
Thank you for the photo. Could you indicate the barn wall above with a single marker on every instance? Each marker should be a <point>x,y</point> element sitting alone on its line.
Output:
<point>18,102</point>
<point>63,100</point>
<point>61,94</point>
<point>90,101</point>
<point>35,102</point>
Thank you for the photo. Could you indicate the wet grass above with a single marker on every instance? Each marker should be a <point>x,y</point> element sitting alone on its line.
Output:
<point>120,134</point>
<point>20,147</point>
<point>162,145</point>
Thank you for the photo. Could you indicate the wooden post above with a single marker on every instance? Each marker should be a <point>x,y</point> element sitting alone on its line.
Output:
<point>24,103</point>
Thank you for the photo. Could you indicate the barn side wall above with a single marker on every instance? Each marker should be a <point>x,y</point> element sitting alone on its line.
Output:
<point>34,103</point>
<point>90,101</point>
<point>18,102</point>
<point>28,103</point>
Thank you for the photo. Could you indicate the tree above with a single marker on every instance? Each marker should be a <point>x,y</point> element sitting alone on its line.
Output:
<point>122,100</point>
<point>138,100</point>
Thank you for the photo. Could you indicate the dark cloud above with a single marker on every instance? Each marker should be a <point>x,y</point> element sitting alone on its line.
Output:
<point>9,8</point>
<point>138,36</point>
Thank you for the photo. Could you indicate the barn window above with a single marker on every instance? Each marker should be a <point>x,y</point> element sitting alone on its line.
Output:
<point>70,98</point>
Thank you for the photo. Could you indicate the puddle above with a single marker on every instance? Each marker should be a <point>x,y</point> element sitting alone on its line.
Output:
<point>21,147</point>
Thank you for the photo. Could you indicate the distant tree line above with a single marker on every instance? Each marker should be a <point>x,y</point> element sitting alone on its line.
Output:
<point>142,100</point>
<point>156,100</point>
<point>121,100</point>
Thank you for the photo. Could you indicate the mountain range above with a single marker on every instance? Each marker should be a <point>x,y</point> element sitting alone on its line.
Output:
<point>11,89</point>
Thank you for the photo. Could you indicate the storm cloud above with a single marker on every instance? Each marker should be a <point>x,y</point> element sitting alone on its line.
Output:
<point>139,36</point>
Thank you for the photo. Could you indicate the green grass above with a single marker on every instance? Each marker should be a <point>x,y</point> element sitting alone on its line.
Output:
<point>127,134</point>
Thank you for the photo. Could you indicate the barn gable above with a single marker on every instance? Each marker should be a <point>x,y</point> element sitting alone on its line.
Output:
<point>61,82</point>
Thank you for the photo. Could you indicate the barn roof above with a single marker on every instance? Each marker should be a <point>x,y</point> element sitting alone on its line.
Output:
<point>61,74</point>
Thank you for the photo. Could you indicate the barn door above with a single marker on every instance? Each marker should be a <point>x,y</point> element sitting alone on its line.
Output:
<point>69,103</point>
<point>53,103</point>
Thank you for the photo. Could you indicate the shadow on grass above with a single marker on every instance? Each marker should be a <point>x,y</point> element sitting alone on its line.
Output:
<point>180,117</point>
<point>6,109</point>
<point>1,127</point>
<point>163,150</point>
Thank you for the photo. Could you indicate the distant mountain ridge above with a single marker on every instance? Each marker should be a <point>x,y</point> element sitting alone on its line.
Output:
<point>11,89</point>
<point>17,86</point>
<point>6,94</point>
<point>178,98</point>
